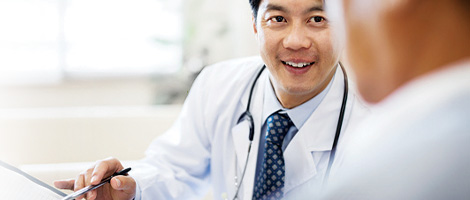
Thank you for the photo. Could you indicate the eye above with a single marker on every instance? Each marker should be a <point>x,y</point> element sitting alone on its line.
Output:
<point>278,19</point>
<point>317,19</point>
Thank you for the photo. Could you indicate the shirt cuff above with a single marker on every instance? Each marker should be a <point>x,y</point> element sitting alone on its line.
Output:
<point>137,191</point>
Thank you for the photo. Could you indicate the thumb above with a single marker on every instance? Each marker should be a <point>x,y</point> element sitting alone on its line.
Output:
<point>123,183</point>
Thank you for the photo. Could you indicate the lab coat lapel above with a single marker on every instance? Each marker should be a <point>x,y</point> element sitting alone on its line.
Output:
<point>240,134</point>
<point>316,135</point>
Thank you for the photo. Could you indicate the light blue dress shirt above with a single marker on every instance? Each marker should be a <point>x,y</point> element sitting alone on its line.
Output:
<point>298,115</point>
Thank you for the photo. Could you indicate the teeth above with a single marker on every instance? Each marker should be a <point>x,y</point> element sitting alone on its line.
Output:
<point>298,64</point>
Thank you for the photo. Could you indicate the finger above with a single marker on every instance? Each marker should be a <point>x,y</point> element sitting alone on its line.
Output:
<point>105,168</point>
<point>65,184</point>
<point>87,179</point>
<point>79,184</point>
<point>123,183</point>
<point>91,195</point>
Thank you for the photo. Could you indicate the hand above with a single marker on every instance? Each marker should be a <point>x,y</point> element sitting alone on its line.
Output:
<point>120,187</point>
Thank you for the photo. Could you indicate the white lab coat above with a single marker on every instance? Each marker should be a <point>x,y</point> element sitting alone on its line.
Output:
<point>415,145</point>
<point>206,147</point>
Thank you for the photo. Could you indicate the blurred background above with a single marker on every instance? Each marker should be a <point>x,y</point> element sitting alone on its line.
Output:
<point>82,80</point>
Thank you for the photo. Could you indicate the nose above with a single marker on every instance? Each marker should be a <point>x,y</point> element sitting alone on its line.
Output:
<point>297,38</point>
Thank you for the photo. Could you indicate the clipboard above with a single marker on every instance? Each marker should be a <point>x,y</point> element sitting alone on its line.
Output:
<point>16,184</point>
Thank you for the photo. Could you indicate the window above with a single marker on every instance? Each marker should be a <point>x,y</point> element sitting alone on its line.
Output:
<point>49,40</point>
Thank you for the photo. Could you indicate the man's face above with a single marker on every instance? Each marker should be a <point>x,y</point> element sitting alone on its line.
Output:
<point>297,47</point>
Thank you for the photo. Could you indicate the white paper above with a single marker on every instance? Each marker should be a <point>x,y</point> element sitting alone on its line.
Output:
<point>17,185</point>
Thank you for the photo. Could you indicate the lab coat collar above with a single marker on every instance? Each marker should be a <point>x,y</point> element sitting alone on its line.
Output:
<point>316,135</point>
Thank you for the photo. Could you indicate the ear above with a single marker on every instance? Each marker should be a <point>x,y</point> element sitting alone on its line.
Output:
<point>253,20</point>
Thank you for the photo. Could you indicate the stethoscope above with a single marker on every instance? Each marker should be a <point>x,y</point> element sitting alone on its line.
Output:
<point>247,116</point>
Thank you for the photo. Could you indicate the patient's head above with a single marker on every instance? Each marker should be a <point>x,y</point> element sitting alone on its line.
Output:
<point>391,42</point>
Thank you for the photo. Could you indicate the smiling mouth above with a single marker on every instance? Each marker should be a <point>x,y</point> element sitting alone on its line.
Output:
<point>297,65</point>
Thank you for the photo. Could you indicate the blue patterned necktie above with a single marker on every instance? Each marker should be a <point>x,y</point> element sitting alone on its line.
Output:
<point>270,182</point>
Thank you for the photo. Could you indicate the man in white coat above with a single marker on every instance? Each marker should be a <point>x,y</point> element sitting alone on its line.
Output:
<point>208,145</point>
<point>412,60</point>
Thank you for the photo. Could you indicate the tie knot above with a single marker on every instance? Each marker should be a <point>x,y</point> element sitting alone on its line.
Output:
<point>277,127</point>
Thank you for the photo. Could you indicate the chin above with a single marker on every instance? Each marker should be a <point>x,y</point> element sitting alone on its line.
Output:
<point>299,91</point>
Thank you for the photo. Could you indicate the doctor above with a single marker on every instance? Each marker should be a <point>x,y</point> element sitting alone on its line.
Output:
<point>295,107</point>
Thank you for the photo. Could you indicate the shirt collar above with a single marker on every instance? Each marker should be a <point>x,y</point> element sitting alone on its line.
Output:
<point>299,114</point>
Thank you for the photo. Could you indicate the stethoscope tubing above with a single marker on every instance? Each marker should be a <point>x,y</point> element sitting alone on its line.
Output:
<point>247,116</point>
<point>338,126</point>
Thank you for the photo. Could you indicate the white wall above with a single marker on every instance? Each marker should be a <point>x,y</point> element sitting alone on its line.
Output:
<point>80,134</point>
<point>217,30</point>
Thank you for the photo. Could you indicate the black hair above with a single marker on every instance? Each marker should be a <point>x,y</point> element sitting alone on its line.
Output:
<point>254,7</point>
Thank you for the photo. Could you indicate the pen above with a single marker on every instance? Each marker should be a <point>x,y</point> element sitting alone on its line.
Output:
<point>92,187</point>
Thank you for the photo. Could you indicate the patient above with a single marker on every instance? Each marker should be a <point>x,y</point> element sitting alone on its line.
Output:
<point>411,59</point>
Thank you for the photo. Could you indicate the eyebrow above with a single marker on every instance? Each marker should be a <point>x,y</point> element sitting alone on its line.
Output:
<point>273,7</point>
<point>315,8</point>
